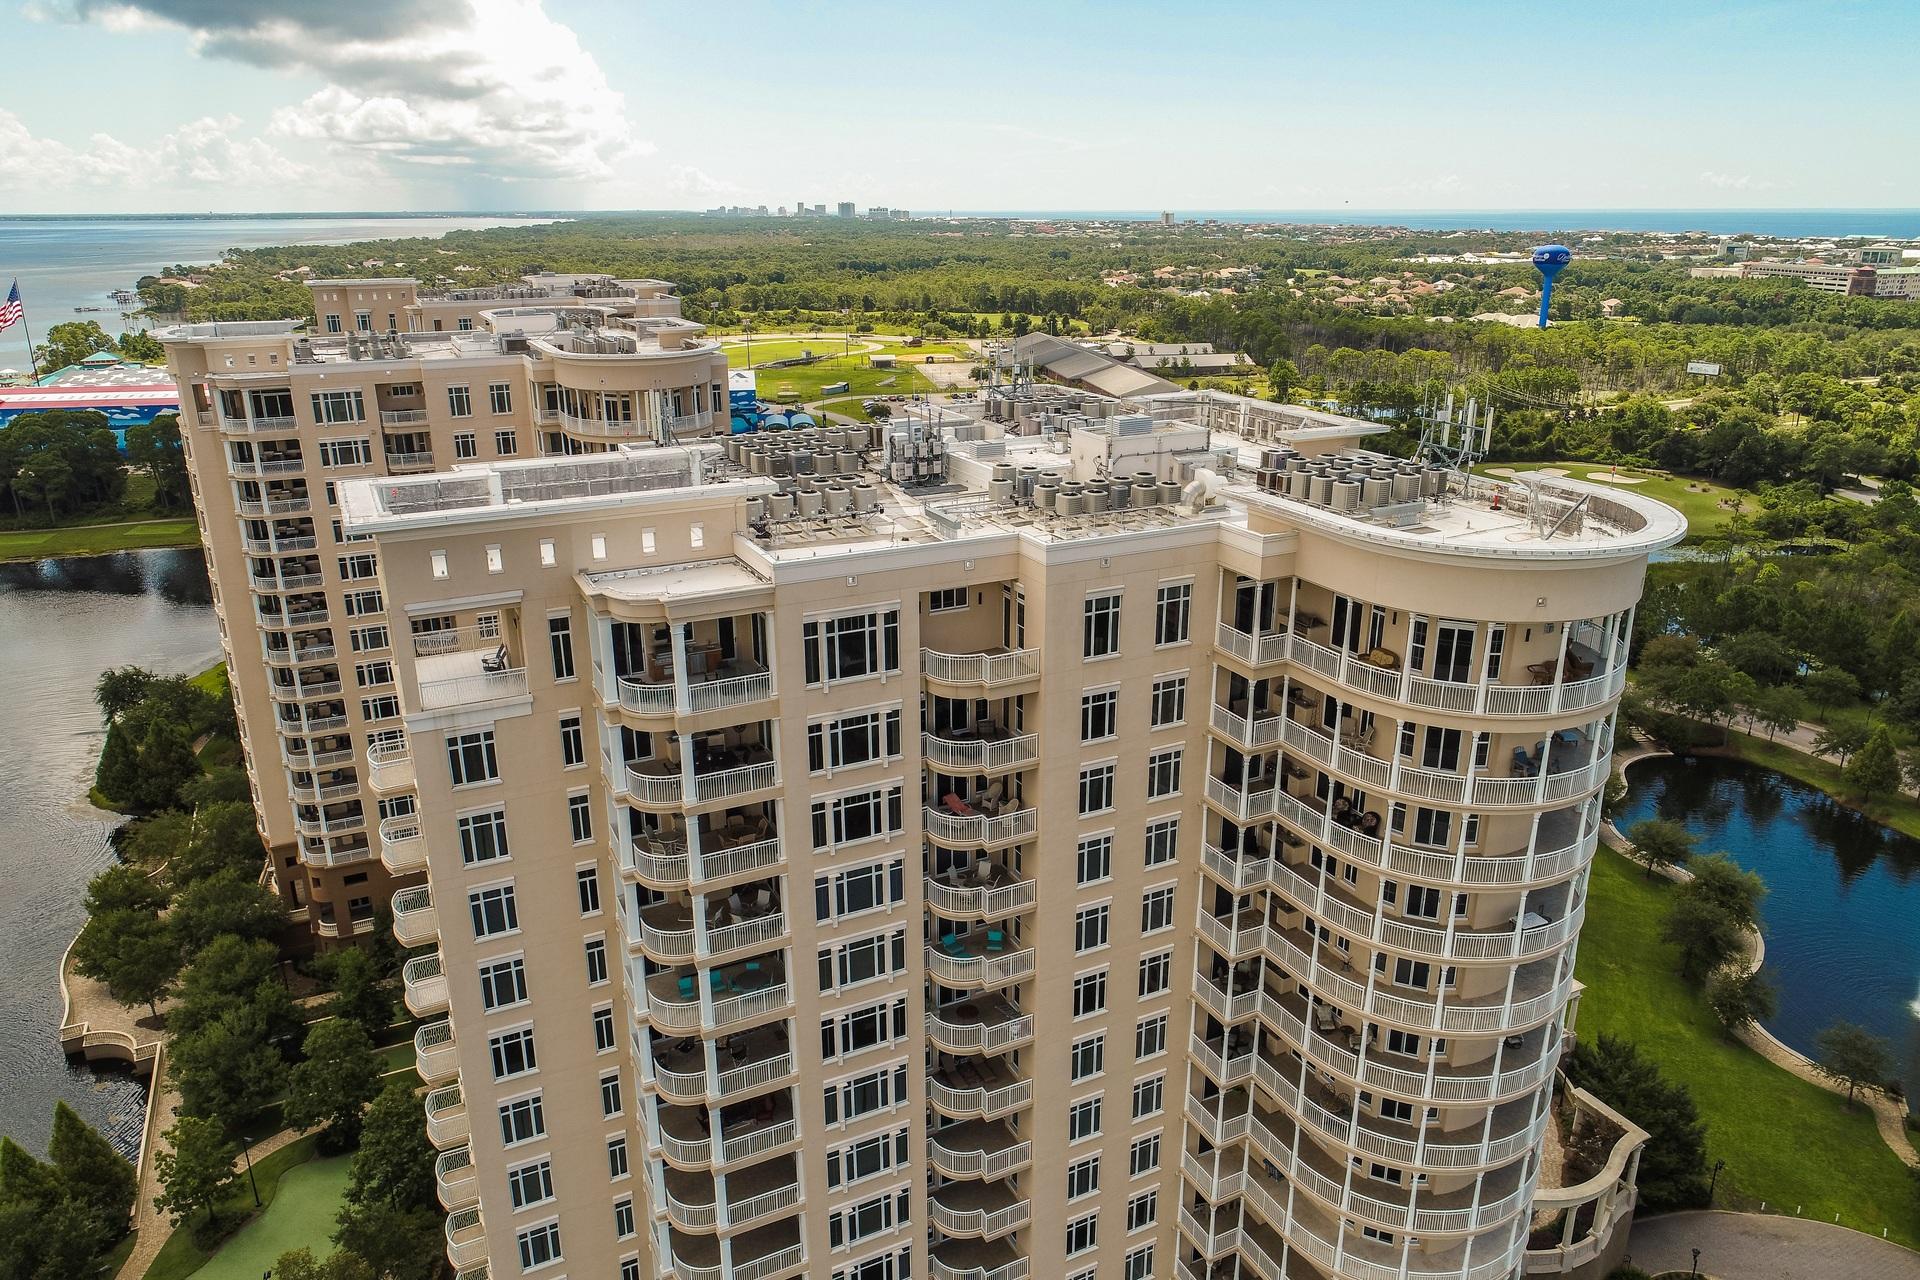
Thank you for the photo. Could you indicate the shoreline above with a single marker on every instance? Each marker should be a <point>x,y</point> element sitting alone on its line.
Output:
<point>1890,1115</point>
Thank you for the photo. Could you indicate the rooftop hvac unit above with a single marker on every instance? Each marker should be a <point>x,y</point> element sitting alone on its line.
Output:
<point>1133,424</point>
<point>1346,495</point>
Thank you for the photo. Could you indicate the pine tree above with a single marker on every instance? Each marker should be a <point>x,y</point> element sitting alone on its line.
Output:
<point>117,777</point>
<point>167,764</point>
<point>93,1172</point>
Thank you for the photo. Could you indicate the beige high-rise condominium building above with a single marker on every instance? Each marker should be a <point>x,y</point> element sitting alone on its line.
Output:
<point>1054,838</point>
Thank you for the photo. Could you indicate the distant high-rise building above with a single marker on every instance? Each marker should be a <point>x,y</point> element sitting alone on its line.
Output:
<point>1166,218</point>
<point>820,209</point>
<point>846,208</point>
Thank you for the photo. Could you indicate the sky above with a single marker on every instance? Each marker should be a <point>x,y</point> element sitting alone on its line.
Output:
<point>124,106</point>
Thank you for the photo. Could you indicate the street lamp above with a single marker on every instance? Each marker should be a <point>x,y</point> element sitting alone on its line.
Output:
<point>246,1150</point>
<point>1696,1263</point>
<point>1714,1181</point>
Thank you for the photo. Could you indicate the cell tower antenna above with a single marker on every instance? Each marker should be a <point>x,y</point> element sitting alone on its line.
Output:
<point>1454,439</point>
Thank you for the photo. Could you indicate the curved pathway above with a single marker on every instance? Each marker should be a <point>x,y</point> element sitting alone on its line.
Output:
<point>1756,1246</point>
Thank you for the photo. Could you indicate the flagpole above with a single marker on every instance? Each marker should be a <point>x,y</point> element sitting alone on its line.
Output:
<point>27,329</point>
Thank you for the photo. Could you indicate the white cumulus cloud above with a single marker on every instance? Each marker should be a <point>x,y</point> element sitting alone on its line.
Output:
<point>209,152</point>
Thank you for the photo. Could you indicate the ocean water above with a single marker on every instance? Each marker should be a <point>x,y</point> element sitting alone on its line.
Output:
<point>1784,223</point>
<point>66,263</point>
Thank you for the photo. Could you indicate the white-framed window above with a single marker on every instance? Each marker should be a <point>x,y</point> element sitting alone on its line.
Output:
<point>596,953</point>
<point>850,646</point>
<point>522,1120</point>
<point>863,1029</point>
<point>573,746</point>
<point>610,1101</point>
<point>858,890</point>
<point>339,406</point>
<point>867,1158</point>
<point>1088,1059</point>
<point>580,817</point>
<point>493,909</point>
<point>539,1246</point>
<point>500,397</point>
<point>1096,789</point>
<point>1083,1178</point>
<point>506,442</point>
<point>604,1036</point>
<point>868,1093</point>
<point>863,960</point>
<point>868,1218</point>
<point>1144,1155</point>
<point>383,707</point>
<point>1156,909</point>
<point>1093,861</point>
<point>1173,613</point>
<point>352,451</point>
<point>1143,1210</point>
<point>459,402</point>
<point>560,645</point>
<point>1090,927</point>
<point>1156,973</point>
<point>1083,1234</point>
<point>512,1053</point>
<point>483,836</point>
<point>466,444</point>
<point>946,600</point>
<point>1163,840</point>
<point>623,1217</point>
<point>1163,773</point>
<point>471,758</point>
<point>1169,701</point>
<point>1138,1264</point>
<point>1099,715</point>
<point>530,1184</point>
<point>1083,1119</point>
<point>1090,994</point>
<point>861,815</point>
<point>1150,1036</point>
<point>1149,1096</point>
<point>1100,625</point>
<point>503,983</point>
<point>587,881</point>
<point>857,739</point>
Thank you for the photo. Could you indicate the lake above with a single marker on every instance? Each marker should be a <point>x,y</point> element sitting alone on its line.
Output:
<point>1842,914</point>
<point>64,263</point>
<point>62,622</point>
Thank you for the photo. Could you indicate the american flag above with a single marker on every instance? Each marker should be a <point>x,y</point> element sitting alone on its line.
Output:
<point>12,311</point>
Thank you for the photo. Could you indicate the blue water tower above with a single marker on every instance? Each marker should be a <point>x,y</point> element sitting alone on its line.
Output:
<point>1549,260</point>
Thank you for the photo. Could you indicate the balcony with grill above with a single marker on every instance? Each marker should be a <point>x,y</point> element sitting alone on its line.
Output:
<point>692,669</point>
<point>985,956</point>
<point>987,1023</point>
<point>772,1252</point>
<point>965,1087</point>
<point>415,921</point>
<point>723,1138</point>
<point>978,1149</point>
<point>425,983</point>
<point>447,1122</point>
<point>455,1178</point>
<point>723,1070</point>
<point>739,996</point>
<point>988,1210</point>
<point>754,1196</point>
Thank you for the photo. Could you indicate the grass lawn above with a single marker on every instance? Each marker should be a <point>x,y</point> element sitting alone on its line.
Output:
<point>765,349</point>
<point>802,384</point>
<point>1901,812</point>
<point>186,1251</point>
<point>1698,500</point>
<point>301,1215</point>
<point>97,539</point>
<point>1787,1143</point>
<point>396,1056</point>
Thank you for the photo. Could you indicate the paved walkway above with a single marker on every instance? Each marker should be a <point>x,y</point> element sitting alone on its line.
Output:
<point>1754,1246</point>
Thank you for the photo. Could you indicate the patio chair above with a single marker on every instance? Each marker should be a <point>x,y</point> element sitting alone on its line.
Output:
<point>996,940</point>
<point>950,943</point>
<point>496,663</point>
<point>686,988</point>
<point>718,981</point>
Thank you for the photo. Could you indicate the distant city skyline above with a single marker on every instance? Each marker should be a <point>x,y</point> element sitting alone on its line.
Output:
<point>190,106</point>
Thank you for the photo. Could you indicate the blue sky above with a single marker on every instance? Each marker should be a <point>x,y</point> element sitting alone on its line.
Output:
<point>187,105</point>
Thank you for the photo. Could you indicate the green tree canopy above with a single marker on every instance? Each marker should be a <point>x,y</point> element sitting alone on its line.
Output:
<point>1673,1168</point>
<point>1875,767</point>
<point>330,1089</point>
<point>1853,1056</point>
<point>93,1172</point>
<point>195,1169</point>
<point>70,342</point>
<point>1659,843</point>
<point>227,902</point>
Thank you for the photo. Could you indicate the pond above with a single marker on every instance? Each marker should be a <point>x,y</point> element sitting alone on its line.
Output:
<point>1842,914</point>
<point>61,623</point>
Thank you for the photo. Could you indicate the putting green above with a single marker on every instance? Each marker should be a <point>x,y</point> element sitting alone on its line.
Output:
<point>302,1214</point>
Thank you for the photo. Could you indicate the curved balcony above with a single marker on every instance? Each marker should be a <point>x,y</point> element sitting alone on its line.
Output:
<point>994,751</point>
<point>987,1024</point>
<point>978,1149</point>
<point>737,684</point>
<point>644,698</point>
<point>666,932</point>
<point>1576,780</point>
<point>986,1090</point>
<point>434,1053</point>
<point>736,783</point>
<point>1490,699</point>
<point>256,468</point>
<point>260,507</point>
<point>973,961</point>
<point>770,1252</point>
<point>742,994</point>
<point>978,1210</point>
<point>756,1194</point>
<point>978,830</point>
<point>687,1146</point>
<point>977,1260</point>
<point>992,669</point>
<point>426,985</point>
<point>415,922</point>
<point>403,850</point>
<point>286,656</point>
<point>1443,1082</point>
<point>1531,937</point>
<point>455,1178</point>
<point>747,1064</point>
<point>1321,1111</point>
<point>1349,1254</point>
<point>466,1241</point>
<point>998,895</point>
<point>389,766</point>
<point>447,1122</point>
